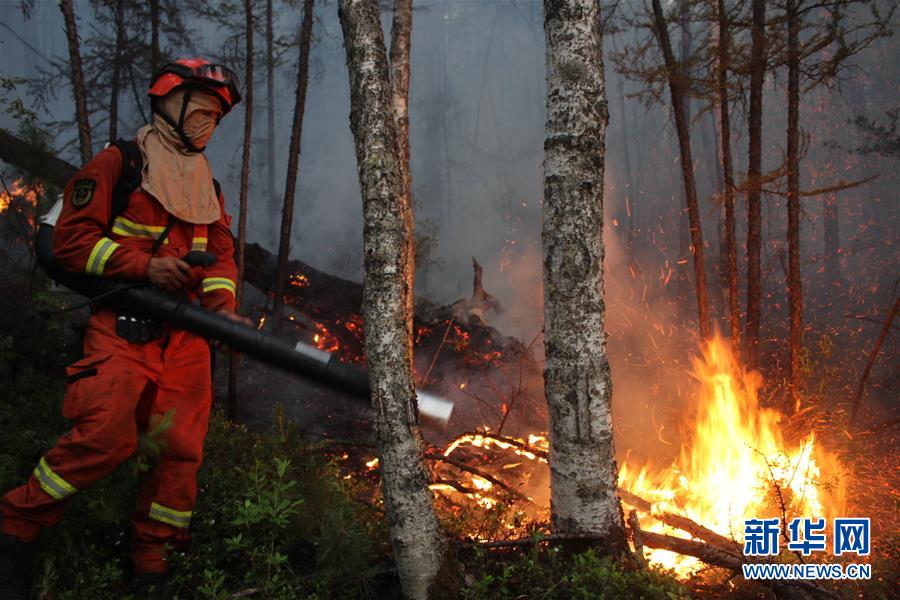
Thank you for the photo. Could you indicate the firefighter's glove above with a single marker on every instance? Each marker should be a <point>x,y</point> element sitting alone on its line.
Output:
<point>137,330</point>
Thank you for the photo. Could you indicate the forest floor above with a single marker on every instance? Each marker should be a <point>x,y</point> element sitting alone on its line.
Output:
<point>276,517</point>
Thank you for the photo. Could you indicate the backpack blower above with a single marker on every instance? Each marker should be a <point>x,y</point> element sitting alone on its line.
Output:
<point>145,300</point>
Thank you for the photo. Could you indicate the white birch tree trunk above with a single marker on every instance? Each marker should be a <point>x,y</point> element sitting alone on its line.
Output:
<point>577,377</point>
<point>419,546</point>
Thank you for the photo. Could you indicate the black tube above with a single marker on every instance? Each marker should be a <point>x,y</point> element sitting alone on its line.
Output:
<point>152,303</point>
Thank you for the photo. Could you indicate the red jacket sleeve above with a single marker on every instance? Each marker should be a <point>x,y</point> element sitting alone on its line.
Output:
<point>220,280</point>
<point>79,240</point>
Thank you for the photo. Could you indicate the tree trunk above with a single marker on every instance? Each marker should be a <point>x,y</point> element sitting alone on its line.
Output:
<point>684,222</point>
<point>754,170</point>
<point>233,358</point>
<point>77,77</point>
<point>731,272</point>
<point>419,547</point>
<point>401,31</point>
<point>290,186</point>
<point>270,117</point>
<point>115,84</point>
<point>155,55</point>
<point>577,376</point>
<point>676,78</point>
<point>795,296</point>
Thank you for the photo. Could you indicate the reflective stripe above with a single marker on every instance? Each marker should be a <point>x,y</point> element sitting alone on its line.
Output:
<point>53,484</point>
<point>96,262</point>
<point>211,284</point>
<point>178,518</point>
<point>199,243</point>
<point>122,226</point>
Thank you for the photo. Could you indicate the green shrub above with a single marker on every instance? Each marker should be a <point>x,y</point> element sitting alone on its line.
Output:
<point>544,574</point>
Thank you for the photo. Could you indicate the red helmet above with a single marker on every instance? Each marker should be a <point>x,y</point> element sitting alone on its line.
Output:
<point>218,79</point>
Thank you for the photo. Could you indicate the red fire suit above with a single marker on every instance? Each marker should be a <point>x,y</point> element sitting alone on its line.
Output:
<point>119,387</point>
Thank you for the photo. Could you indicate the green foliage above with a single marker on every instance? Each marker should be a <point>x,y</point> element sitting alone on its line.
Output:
<point>548,574</point>
<point>273,514</point>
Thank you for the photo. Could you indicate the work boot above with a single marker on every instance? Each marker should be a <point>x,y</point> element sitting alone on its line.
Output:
<point>15,565</point>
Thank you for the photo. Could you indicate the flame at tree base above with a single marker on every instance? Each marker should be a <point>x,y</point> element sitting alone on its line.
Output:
<point>735,463</point>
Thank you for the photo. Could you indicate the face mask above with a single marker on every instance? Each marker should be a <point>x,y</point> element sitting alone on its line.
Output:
<point>201,115</point>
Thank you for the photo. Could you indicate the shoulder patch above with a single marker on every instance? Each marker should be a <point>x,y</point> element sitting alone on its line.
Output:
<point>82,192</point>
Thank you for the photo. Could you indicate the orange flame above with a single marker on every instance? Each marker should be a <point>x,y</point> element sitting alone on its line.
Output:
<point>18,190</point>
<point>735,464</point>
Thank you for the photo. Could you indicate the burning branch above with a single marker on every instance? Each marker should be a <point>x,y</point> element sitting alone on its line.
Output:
<point>475,471</point>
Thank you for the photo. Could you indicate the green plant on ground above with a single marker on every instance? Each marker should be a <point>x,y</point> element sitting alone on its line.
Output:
<point>545,574</point>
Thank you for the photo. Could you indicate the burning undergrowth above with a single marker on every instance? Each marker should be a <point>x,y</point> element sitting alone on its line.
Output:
<point>701,444</point>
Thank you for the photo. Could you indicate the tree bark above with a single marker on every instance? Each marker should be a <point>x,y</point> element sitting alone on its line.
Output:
<point>401,33</point>
<point>290,186</point>
<point>270,116</point>
<point>795,296</point>
<point>731,272</point>
<point>577,376</point>
<point>76,75</point>
<point>115,84</point>
<point>420,550</point>
<point>754,171</point>
<point>233,359</point>
<point>155,55</point>
<point>677,79</point>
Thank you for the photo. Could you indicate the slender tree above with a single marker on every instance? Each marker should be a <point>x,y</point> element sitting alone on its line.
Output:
<point>270,114</point>
<point>233,357</point>
<point>577,376</point>
<point>401,31</point>
<point>76,75</point>
<point>418,543</point>
<point>677,80</point>
<point>731,272</point>
<point>155,54</point>
<point>117,71</point>
<point>795,296</point>
<point>290,186</point>
<point>754,183</point>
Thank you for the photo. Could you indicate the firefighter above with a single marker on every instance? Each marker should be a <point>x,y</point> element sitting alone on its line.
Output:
<point>135,373</point>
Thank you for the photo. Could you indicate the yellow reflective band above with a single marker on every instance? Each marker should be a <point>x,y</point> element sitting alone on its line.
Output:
<point>57,487</point>
<point>211,284</point>
<point>199,243</point>
<point>96,262</point>
<point>177,518</point>
<point>124,227</point>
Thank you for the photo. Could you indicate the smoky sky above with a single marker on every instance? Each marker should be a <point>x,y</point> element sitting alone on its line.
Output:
<point>476,135</point>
